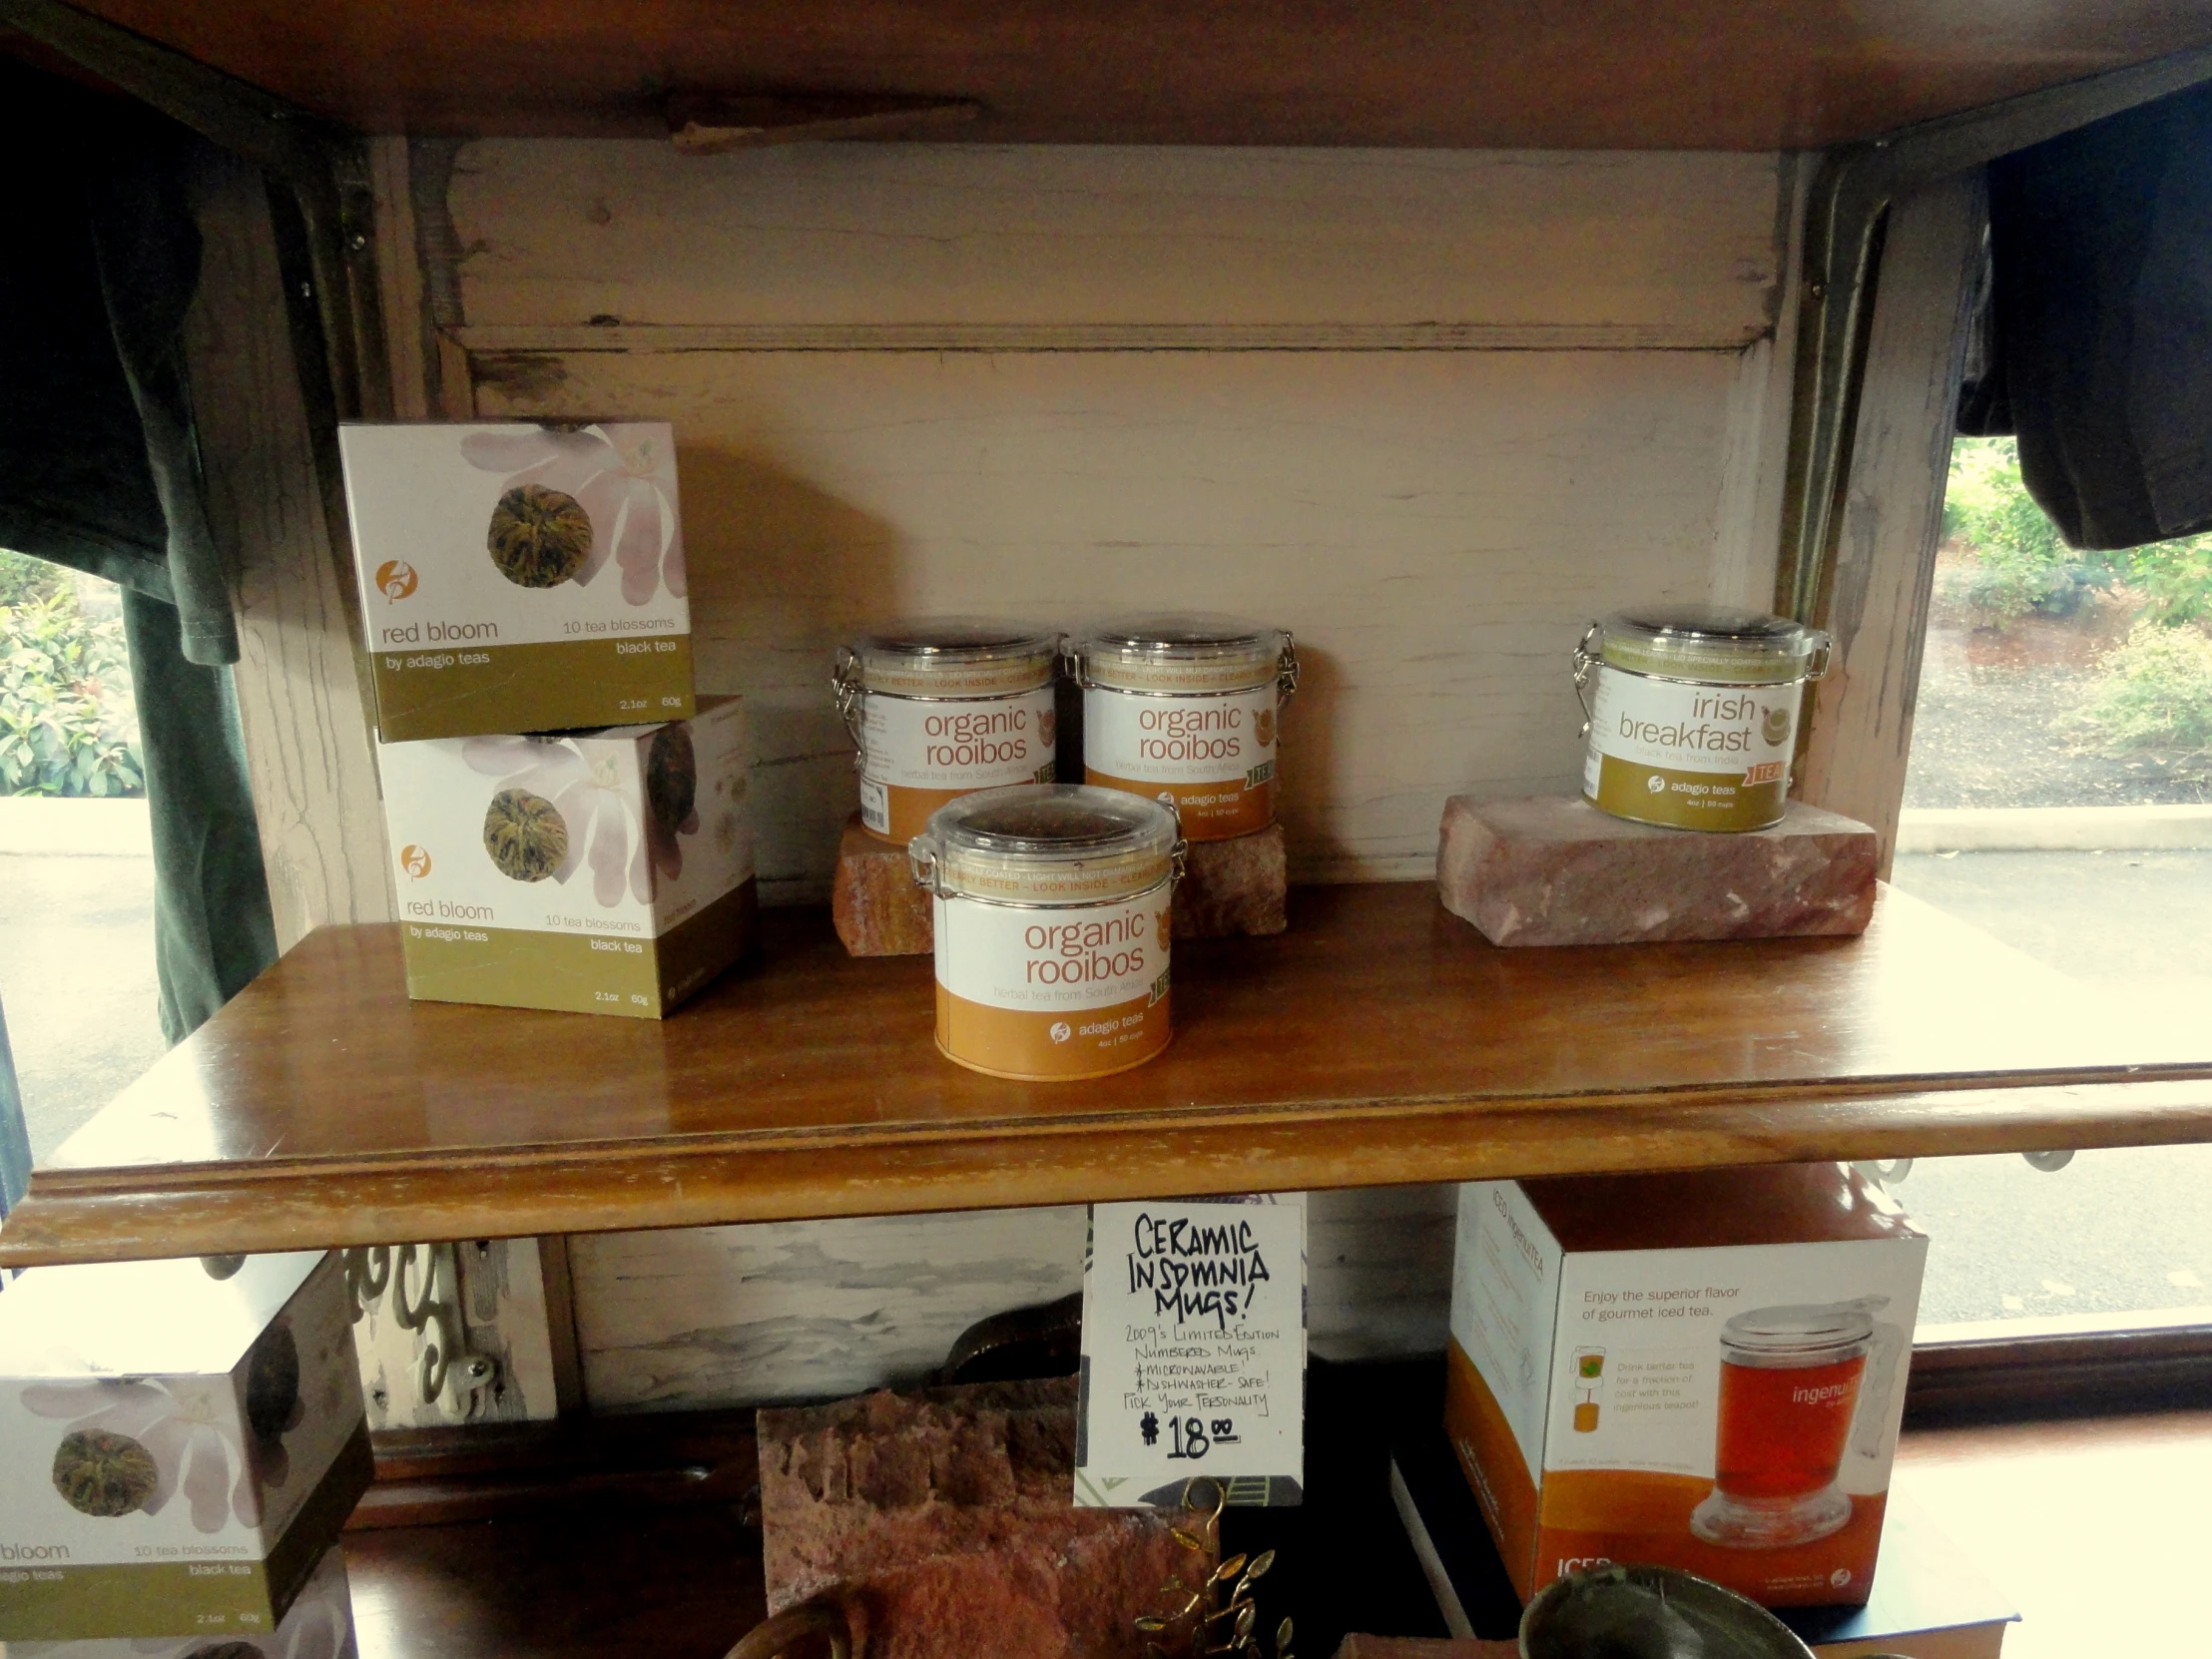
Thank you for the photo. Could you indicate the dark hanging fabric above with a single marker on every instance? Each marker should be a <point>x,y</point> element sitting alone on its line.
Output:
<point>2097,343</point>
<point>212,930</point>
<point>100,470</point>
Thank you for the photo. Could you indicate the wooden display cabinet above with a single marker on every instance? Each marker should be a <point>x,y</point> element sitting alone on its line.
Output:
<point>1447,328</point>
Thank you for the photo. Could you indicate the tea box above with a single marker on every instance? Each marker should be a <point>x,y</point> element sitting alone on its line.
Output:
<point>518,577</point>
<point>1702,1370</point>
<point>177,1450</point>
<point>606,871</point>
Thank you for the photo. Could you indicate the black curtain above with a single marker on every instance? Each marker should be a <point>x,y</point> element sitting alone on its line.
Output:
<point>2094,344</point>
<point>100,470</point>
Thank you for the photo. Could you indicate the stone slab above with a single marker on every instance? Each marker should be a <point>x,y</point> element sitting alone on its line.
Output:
<point>1232,889</point>
<point>1229,889</point>
<point>1553,869</point>
<point>942,1521</point>
<point>877,910</point>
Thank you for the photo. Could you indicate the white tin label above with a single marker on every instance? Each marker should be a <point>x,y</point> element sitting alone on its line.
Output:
<point>914,743</point>
<point>1225,738</point>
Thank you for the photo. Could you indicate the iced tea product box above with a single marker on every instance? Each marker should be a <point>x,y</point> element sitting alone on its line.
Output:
<point>1704,1370</point>
<point>177,1450</point>
<point>519,577</point>
<point>319,1625</point>
<point>601,873</point>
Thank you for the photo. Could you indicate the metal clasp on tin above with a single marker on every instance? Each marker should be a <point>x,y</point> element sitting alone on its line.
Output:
<point>922,862</point>
<point>1586,664</point>
<point>847,688</point>
<point>1285,670</point>
<point>1815,667</point>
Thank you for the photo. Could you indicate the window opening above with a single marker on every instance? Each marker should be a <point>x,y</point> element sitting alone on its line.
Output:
<point>2059,797</point>
<point>76,966</point>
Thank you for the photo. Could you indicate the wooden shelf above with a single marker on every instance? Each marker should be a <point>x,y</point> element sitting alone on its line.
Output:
<point>1699,74</point>
<point>1380,1041</point>
<point>562,1569</point>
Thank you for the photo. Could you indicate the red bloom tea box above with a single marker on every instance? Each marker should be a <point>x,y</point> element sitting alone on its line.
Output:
<point>177,1450</point>
<point>1704,1370</point>
<point>519,577</point>
<point>600,872</point>
<point>319,1625</point>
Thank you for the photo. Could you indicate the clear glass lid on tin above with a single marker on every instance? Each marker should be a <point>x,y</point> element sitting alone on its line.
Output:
<point>1708,644</point>
<point>951,656</point>
<point>1048,843</point>
<point>1786,1338</point>
<point>1184,652</point>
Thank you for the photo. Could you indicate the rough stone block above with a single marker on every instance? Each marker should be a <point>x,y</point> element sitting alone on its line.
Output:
<point>1553,869</point>
<point>943,1523</point>
<point>1228,888</point>
<point>877,910</point>
<point>1233,887</point>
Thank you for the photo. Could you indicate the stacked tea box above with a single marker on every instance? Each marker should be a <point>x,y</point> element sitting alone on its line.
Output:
<point>568,820</point>
<point>178,1453</point>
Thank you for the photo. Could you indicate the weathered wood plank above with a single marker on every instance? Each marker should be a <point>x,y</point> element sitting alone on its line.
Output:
<point>565,232</point>
<point>745,1316</point>
<point>1881,576</point>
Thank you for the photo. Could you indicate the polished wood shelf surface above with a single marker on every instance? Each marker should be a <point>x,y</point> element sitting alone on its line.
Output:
<point>1694,75</point>
<point>2054,1513</point>
<point>1381,1040</point>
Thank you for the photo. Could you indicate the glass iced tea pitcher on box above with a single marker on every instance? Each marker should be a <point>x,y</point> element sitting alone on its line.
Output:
<point>1802,1389</point>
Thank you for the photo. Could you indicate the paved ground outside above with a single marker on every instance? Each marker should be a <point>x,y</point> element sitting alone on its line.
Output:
<point>2115,1231</point>
<point>75,981</point>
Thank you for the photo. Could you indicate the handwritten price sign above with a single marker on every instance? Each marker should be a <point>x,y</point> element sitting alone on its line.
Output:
<point>1194,1351</point>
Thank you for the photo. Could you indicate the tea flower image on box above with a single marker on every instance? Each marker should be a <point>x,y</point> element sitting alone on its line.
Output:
<point>557,808</point>
<point>133,1445</point>
<point>574,498</point>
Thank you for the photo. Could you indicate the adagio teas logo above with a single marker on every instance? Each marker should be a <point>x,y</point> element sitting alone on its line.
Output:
<point>1263,727</point>
<point>415,861</point>
<point>395,579</point>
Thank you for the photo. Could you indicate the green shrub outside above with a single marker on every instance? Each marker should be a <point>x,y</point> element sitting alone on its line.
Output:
<point>55,738</point>
<point>23,578</point>
<point>2154,692</point>
<point>2018,563</point>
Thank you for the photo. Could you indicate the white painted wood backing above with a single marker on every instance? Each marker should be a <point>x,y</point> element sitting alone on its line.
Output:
<point>742,1315</point>
<point>299,698</point>
<point>1681,246</point>
<point>1436,527</point>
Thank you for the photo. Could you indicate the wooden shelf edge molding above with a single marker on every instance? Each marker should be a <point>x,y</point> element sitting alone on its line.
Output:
<point>1380,1041</point>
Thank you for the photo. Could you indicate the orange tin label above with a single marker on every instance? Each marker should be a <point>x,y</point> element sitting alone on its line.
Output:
<point>1213,755</point>
<point>1052,992</point>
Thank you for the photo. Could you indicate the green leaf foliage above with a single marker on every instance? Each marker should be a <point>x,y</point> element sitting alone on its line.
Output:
<point>56,738</point>
<point>2154,692</point>
<point>2018,563</point>
<point>23,578</point>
